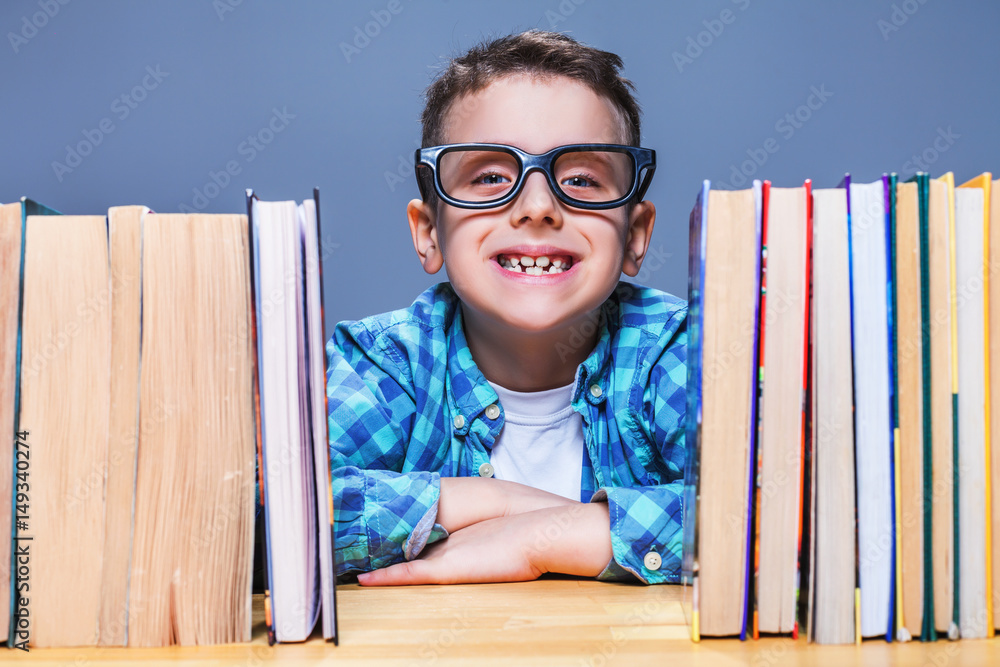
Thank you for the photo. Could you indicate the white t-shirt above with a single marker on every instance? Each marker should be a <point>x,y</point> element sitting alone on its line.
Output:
<point>541,443</point>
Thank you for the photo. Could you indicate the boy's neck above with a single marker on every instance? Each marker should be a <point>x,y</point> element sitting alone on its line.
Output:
<point>528,361</point>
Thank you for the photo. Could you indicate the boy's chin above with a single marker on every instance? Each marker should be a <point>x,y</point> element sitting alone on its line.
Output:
<point>545,322</point>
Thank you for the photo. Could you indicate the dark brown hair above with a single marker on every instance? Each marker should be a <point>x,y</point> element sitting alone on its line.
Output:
<point>532,53</point>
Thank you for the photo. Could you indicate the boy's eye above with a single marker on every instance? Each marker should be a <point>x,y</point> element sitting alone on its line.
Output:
<point>579,182</point>
<point>491,179</point>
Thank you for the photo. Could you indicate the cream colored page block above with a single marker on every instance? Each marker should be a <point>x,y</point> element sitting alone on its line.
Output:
<point>728,351</point>
<point>834,445</point>
<point>781,437</point>
<point>10,263</point>
<point>65,389</point>
<point>942,430</point>
<point>124,237</point>
<point>193,546</point>
<point>910,400</point>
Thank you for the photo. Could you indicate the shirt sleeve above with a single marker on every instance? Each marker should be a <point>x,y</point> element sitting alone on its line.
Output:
<point>648,520</point>
<point>382,516</point>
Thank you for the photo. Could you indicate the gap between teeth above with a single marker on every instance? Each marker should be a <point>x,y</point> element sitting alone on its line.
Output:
<point>534,266</point>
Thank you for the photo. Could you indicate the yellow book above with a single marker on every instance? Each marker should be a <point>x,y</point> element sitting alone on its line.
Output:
<point>908,436</point>
<point>994,213</point>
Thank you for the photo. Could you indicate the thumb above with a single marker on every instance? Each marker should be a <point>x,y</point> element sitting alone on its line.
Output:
<point>401,574</point>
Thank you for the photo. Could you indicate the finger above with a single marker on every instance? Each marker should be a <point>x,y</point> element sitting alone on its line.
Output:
<point>401,574</point>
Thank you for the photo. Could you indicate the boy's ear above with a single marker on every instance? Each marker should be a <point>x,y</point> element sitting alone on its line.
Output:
<point>640,230</point>
<point>423,228</point>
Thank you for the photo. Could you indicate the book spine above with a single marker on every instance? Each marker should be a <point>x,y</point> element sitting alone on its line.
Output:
<point>986,180</point>
<point>326,411</point>
<point>28,207</point>
<point>696,278</point>
<point>846,184</point>
<point>750,619</point>
<point>897,628</point>
<point>949,181</point>
<point>12,602</point>
<point>258,420</point>
<point>807,324</point>
<point>928,630</point>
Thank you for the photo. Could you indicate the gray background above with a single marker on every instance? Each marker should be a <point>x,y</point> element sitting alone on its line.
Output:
<point>899,74</point>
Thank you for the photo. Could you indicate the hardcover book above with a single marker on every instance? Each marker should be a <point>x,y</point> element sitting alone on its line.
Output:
<point>292,435</point>
<point>724,266</point>
<point>13,220</point>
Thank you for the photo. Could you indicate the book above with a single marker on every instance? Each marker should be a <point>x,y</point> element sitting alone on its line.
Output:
<point>751,626</point>
<point>781,440</point>
<point>13,218</point>
<point>293,440</point>
<point>971,254</point>
<point>870,262</point>
<point>994,407</point>
<point>897,527</point>
<point>135,401</point>
<point>125,258</point>
<point>192,549</point>
<point>910,393</point>
<point>65,371</point>
<point>943,399</point>
<point>898,631</point>
<point>724,265</point>
<point>833,558</point>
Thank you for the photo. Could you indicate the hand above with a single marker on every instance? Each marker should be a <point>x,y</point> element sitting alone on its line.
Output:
<point>468,500</point>
<point>572,539</point>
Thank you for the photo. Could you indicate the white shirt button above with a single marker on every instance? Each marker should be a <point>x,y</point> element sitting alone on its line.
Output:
<point>492,411</point>
<point>652,561</point>
<point>458,421</point>
<point>486,470</point>
<point>595,390</point>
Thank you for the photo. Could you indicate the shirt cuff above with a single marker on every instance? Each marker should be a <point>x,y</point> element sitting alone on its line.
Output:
<point>425,532</point>
<point>394,506</point>
<point>645,533</point>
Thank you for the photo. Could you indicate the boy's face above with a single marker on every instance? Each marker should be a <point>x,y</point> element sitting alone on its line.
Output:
<point>535,115</point>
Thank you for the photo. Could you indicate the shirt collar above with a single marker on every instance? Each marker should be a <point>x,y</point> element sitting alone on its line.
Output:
<point>469,390</point>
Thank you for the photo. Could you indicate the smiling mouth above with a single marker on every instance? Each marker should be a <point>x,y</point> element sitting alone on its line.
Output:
<point>535,266</point>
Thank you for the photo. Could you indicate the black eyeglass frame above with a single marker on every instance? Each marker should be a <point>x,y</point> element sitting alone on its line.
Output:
<point>429,158</point>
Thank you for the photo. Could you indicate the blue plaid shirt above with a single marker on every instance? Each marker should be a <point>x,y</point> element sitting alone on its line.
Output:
<point>407,405</point>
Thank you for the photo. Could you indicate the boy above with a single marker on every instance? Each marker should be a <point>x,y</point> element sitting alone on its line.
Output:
<point>528,416</point>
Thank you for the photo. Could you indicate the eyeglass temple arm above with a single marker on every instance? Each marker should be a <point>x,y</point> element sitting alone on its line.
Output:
<point>421,176</point>
<point>646,180</point>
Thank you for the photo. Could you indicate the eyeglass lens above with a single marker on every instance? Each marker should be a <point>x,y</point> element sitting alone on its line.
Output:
<point>596,176</point>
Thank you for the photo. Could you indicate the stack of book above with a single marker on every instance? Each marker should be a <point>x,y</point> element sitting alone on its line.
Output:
<point>146,378</point>
<point>840,475</point>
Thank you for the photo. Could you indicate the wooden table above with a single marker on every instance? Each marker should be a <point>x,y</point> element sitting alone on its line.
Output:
<point>548,622</point>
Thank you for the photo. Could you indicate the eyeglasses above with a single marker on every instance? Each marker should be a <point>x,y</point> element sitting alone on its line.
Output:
<point>587,176</point>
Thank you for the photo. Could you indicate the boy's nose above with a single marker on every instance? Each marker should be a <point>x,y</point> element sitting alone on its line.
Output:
<point>536,203</point>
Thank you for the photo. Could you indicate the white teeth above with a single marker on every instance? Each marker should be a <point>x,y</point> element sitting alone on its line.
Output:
<point>534,266</point>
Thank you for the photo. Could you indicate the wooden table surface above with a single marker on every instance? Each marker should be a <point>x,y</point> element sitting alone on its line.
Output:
<point>582,623</point>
